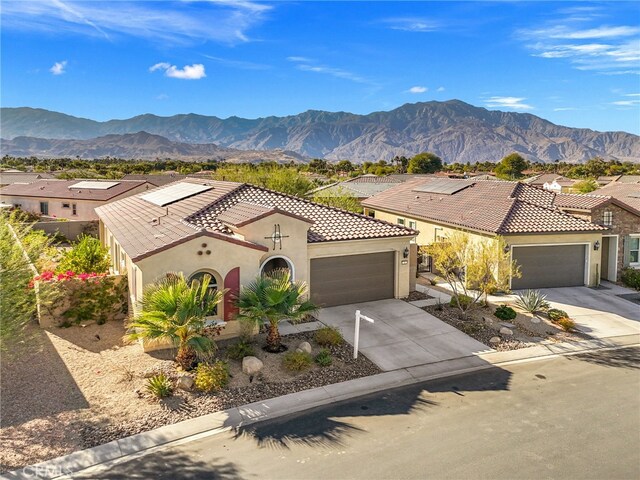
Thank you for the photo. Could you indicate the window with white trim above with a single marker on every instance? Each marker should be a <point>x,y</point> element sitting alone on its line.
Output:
<point>212,287</point>
<point>66,205</point>
<point>634,250</point>
<point>412,224</point>
<point>400,221</point>
<point>607,219</point>
<point>438,234</point>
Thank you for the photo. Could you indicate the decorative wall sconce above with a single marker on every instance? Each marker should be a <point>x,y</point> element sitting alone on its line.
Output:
<point>596,246</point>
<point>405,253</point>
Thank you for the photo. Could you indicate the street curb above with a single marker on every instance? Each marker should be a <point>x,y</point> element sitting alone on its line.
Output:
<point>222,421</point>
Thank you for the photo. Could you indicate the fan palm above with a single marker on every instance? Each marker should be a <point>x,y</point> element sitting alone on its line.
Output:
<point>175,310</point>
<point>272,298</point>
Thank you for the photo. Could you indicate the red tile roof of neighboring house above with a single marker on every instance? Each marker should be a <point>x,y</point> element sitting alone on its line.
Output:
<point>497,207</point>
<point>64,189</point>
<point>543,178</point>
<point>627,194</point>
<point>576,201</point>
<point>143,229</point>
<point>369,178</point>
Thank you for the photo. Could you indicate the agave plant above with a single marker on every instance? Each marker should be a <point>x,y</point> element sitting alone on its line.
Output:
<point>175,310</point>
<point>271,299</point>
<point>532,301</point>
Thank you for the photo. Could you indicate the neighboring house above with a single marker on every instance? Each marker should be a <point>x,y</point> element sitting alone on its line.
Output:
<point>71,199</point>
<point>157,180</point>
<point>552,248</point>
<point>617,207</point>
<point>9,177</point>
<point>235,231</point>
<point>552,182</point>
<point>606,180</point>
<point>361,187</point>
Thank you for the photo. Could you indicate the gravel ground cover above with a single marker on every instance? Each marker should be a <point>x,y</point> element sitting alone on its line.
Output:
<point>482,325</point>
<point>415,295</point>
<point>75,388</point>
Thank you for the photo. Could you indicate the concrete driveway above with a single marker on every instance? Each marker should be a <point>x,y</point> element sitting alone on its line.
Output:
<point>599,313</point>
<point>402,336</point>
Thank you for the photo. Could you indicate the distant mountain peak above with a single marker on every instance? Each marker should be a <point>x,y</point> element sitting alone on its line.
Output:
<point>455,130</point>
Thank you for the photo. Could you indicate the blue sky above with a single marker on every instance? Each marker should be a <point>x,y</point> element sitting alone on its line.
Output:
<point>573,63</point>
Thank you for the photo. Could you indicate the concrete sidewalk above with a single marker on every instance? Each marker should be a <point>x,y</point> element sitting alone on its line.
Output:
<point>147,442</point>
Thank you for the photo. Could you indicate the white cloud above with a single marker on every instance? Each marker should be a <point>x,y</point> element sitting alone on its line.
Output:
<point>241,64</point>
<point>440,89</point>
<point>188,72</point>
<point>162,96</point>
<point>508,102</point>
<point>58,68</point>
<point>412,24</point>
<point>417,89</point>
<point>185,22</point>
<point>608,49</point>
<point>308,65</point>
<point>565,109</point>
<point>626,103</point>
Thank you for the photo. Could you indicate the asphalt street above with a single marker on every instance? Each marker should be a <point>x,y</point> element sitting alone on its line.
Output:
<point>575,417</point>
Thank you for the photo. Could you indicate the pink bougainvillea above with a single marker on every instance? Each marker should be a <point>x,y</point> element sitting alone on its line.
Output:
<point>50,276</point>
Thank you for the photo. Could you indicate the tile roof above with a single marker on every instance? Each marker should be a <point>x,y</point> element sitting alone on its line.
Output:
<point>625,193</point>
<point>358,190</point>
<point>7,178</point>
<point>61,189</point>
<point>578,201</point>
<point>498,207</point>
<point>142,228</point>
<point>543,178</point>
<point>369,178</point>
<point>155,179</point>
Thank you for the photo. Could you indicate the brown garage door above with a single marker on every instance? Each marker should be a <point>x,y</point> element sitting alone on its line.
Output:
<point>552,266</point>
<point>352,278</point>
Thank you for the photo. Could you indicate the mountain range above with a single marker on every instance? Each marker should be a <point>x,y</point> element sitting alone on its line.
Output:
<point>454,130</point>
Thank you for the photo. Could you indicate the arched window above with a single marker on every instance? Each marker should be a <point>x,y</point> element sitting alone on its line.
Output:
<point>277,263</point>
<point>213,287</point>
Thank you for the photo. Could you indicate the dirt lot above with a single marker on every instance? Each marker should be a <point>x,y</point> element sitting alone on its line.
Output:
<point>69,389</point>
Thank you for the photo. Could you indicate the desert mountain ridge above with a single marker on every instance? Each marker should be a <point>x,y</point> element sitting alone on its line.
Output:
<point>454,130</point>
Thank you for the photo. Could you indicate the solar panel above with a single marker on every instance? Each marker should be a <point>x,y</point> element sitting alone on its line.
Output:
<point>179,191</point>
<point>94,185</point>
<point>443,187</point>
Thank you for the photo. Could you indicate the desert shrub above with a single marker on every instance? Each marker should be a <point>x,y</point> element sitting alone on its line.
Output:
<point>464,300</point>
<point>329,336</point>
<point>532,301</point>
<point>240,349</point>
<point>87,255</point>
<point>159,386</point>
<point>211,377</point>
<point>323,358</point>
<point>470,328</point>
<point>556,314</point>
<point>297,361</point>
<point>504,312</point>
<point>566,324</point>
<point>631,278</point>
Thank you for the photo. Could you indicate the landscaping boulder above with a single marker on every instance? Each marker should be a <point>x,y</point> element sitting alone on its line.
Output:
<point>185,382</point>
<point>304,347</point>
<point>506,331</point>
<point>495,340</point>
<point>507,325</point>
<point>251,365</point>
<point>487,320</point>
<point>535,319</point>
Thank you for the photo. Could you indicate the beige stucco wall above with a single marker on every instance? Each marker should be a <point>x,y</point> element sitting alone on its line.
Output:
<point>428,233</point>
<point>85,209</point>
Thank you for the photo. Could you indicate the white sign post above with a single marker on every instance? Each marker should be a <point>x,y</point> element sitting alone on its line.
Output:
<point>356,336</point>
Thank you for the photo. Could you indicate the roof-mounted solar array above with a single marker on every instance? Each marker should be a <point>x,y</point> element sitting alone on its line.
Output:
<point>444,186</point>
<point>91,185</point>
<point>174,193</point>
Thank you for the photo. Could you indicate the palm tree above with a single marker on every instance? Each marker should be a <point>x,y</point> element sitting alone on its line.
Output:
<point>175,310</point>
<point>272,298</point>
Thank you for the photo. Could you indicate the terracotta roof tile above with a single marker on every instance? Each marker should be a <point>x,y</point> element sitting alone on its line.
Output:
<point>498,207</point>
<point>63,189</point>
<point>142,228</point>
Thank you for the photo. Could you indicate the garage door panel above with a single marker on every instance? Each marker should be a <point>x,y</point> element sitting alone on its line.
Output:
<point>549,266</point>
<point>352,278</point>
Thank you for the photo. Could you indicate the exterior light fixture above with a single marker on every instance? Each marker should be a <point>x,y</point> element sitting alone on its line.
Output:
<point>596,246</point>
<point>405,253</point>
<point>507,247</point>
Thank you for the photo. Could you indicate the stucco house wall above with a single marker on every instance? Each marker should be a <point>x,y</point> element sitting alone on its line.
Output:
<point>85,209</point>
<point>429,230</point>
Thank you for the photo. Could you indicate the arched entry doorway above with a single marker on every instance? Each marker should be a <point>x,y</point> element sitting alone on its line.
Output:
<point>277,263</point>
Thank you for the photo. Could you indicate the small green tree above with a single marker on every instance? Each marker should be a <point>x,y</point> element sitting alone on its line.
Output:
<point>473,268</point>
<point>426,162</point>
<point>174,310</point>
<point>87,255</point>
<point>271,299</point>
<point>338,197</point>
<point>511,167</point>
<point>585,186</point>
<point>17,300</point>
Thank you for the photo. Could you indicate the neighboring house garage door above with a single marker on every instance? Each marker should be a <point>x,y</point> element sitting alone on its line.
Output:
<point>551,266</point>
<point>352,278</point>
